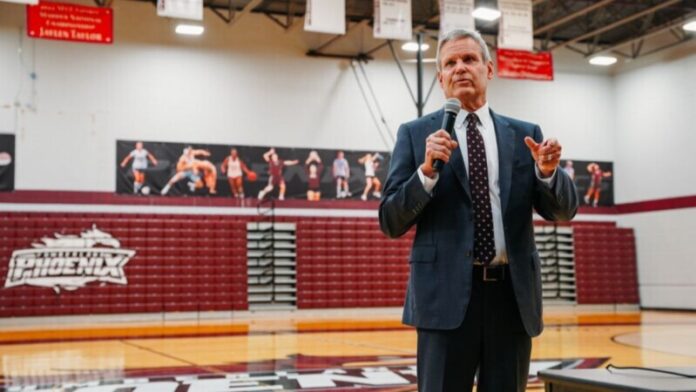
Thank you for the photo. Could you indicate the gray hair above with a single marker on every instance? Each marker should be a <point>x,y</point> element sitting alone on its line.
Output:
<point>460,34</point>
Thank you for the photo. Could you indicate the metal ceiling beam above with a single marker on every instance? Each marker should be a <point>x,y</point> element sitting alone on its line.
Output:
<point>433,19</point>
<point>422,27</point>
<point>376,48</point>
<point>357,57</point>
<point>665,47</point>
<point>276,20</point>
<point>615,24</point>
<point>291,14</point>
<point>230,12</point>
<point>679,34</point>
<point>649,34</point>
<point>249,7</point>
<point>572,16</point>
<point>576,50</point>
<point>327,43</point>
<point>595,41</point>
<point>543,15</point>
<point>647,22</point>
<point>636,47</point>
<point>622,54</point>
<point>246,10</point>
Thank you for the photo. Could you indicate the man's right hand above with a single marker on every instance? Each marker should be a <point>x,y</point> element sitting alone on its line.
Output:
<point>438,145</point>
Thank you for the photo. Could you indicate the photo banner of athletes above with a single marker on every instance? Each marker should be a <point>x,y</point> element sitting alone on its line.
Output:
<point>177,169</point>
<point>7,160</point>
<point>594,181</point>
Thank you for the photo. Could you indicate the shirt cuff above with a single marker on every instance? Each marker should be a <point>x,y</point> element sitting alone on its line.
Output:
<point>428,183</point>
<point>547,180</point>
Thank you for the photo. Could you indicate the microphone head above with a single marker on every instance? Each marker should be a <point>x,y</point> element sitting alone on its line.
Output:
<point>453,105</point>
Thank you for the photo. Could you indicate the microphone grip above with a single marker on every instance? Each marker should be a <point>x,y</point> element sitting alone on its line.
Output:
<point>437,165</point>
<point>448,126</point>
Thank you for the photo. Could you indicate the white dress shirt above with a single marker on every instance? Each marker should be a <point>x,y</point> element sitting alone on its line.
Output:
<point>490,143</point>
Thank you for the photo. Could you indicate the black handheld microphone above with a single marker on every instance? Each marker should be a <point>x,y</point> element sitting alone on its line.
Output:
<point>452,107</point>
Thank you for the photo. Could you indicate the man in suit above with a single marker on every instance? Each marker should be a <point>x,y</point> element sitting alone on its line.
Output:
<point>474,292</point>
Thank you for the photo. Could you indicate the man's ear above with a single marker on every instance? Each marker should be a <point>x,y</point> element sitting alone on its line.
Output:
<point>439,78</point>
<point>490,70</point>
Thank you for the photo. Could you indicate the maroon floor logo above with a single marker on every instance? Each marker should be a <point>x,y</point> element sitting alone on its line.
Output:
<point>69,262</point>
<point>379,377</point>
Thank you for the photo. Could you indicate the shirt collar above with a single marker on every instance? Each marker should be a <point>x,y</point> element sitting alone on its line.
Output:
<point>483,113</point>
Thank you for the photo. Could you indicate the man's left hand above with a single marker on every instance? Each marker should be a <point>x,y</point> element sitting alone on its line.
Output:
<point>547,154</point>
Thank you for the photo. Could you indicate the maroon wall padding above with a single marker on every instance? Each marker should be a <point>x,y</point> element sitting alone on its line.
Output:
<point>182,263</point>
<point>605,265</point>
<point>348,263</point>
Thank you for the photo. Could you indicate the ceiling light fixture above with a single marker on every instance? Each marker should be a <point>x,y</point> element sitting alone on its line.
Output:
<point>486,13</point>
<point>690,26</point>
<point>186,29</point>
<point>425,61</point>
<point>603,60</point>
<point>413,47</point>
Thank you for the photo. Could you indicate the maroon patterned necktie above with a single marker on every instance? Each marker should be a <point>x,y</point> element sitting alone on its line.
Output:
<point>484,243</point>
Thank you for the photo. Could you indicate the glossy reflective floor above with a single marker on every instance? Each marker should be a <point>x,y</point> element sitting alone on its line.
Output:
<point>323,350</point>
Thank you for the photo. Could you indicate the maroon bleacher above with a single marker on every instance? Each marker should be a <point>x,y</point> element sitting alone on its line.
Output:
<point>182,263</point>
<point>348,262</point>
<point>605,264</point>
<point>199,263</point>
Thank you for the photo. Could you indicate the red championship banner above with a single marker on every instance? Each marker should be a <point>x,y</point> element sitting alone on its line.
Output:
<point>520,64</point>
<point>70,22</point>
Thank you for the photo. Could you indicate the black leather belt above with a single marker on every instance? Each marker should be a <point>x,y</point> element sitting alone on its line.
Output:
<point>492,273</point>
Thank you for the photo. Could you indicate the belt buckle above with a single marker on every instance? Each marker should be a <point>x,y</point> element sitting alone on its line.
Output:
<point>485,275</point>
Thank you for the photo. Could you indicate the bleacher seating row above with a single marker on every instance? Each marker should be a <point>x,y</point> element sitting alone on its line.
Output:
<point>604,254</point>
<point>199,263</point>
<point>350,264</point>
<point>348,269</point>
<point>346,279</point>
<point>357,253</point>
<point>605,265</point>
<point>181,263</point>
<point>329,240</point>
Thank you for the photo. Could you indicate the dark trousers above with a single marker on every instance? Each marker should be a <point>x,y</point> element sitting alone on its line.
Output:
<point>491,341</point>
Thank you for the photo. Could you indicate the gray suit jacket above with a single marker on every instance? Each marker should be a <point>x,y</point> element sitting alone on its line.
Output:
<point>441,259</point>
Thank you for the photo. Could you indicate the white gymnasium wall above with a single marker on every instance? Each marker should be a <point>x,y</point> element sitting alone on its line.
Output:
<point>665,249</point>
<point>246,84</point>
<point>577,109</point>
<point>655,138</point>
<point>656,130</point>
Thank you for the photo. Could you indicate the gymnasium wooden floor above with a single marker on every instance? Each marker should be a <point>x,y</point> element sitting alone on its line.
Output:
<point>333,350</point>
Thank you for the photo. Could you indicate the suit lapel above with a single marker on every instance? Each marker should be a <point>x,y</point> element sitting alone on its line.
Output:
<point>505,136</point>
<point>456,163</point>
